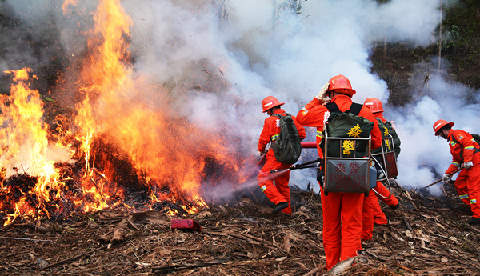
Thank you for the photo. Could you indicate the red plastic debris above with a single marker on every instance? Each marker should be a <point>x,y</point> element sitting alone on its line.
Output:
<point>185,224</point>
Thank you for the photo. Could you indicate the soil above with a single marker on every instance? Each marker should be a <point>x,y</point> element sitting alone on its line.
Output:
<point>424,236</point>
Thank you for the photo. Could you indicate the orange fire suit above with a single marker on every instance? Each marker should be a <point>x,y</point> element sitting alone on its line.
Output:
<point>387,198</point>
<point>342,212</point>
<point>372,212</point>
<point>379,115</point>
<point>464,149</point>
<point>275,187</point>
<point>375,210</point>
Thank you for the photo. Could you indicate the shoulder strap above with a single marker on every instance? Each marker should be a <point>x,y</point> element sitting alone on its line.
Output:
<point>355,108</point>
<point>332,107</point>
<point>454,140</point>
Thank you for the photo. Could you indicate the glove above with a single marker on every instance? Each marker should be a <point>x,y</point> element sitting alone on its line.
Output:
<point>322,93</point>
<point>467,165</point>
<point>446,178</point>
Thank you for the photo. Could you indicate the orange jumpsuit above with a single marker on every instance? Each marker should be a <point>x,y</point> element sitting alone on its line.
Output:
<point>342,212</point>
<point>464,149</point>
<point>275,188</point>
<point>372,212</point>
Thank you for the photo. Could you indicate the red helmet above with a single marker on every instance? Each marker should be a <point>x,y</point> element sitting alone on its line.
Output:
<point>374,104</point>
<point>270,102</point>
<point>341,84</point>
<point>439,124</point>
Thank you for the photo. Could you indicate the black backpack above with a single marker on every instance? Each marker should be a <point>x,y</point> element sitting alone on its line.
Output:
<point>287,147</point>
<point>387,130</point>
<point>347,125</point>
<point>396,139</point>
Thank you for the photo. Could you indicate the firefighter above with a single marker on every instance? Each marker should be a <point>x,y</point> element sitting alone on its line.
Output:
<point>465,158</point>
<point>342,212</point>
<point>376,107</point>
<point>275,187</point>
<point>372,212</point>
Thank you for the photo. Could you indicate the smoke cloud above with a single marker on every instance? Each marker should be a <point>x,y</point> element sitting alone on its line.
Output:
<point>218,59</point>
<point>424,156</point>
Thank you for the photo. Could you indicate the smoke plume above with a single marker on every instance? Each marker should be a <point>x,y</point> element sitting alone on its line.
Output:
<point>215,60</point>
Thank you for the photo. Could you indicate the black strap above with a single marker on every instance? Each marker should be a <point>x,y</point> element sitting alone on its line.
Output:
<point>355,108</point>
<point>454,140</point>
<point>279,116</point>
<point>332,107</point>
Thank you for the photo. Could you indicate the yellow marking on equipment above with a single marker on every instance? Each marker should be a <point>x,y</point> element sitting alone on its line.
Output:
<point>348,146</point>
<point>355,131</point>
<point>386,133</point>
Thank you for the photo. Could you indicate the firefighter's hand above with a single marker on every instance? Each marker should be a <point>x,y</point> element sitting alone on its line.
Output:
<point>322,94</point>
<point>467,165</point>
<point>446,178</point>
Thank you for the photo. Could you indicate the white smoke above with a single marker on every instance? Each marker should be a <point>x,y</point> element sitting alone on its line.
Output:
<point>220,58</point>
<point>297,54</point>
<point>425,157</point>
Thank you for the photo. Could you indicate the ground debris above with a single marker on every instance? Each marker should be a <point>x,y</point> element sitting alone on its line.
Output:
<point>238,239</point>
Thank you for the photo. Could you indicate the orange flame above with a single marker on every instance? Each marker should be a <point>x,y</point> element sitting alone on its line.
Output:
<point>151,140</point>
<point>120,118</point>
<point>24,143</point>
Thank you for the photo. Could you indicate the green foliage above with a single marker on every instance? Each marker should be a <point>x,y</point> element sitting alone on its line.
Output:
<point>461,45</point>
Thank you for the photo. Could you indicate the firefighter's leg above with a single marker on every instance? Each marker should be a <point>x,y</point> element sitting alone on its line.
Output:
<point>351,224</point>
<point>368,209</point>
<point>266,182</point>
<point>461,187</point>
<point>379,217</point>
<point>282,185</point>
<point>473,186</point>
<point>331,208</point>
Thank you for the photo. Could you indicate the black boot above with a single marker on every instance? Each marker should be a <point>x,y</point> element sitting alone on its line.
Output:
<point>474,221</point>
<point>279,207</point>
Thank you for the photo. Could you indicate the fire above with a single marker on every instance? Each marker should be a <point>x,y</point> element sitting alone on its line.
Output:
<point>160,147</point>
<point>125,137</point>
<point>25,146</point>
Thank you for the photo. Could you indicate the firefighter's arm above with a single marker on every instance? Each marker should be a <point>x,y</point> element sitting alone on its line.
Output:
<point>312,114</point>
<point>376,135</point>
<point>468,147</point>
<point>453,168</point>
<point>264,136</point>
<point>301,130</point>
<point>313,103</point>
